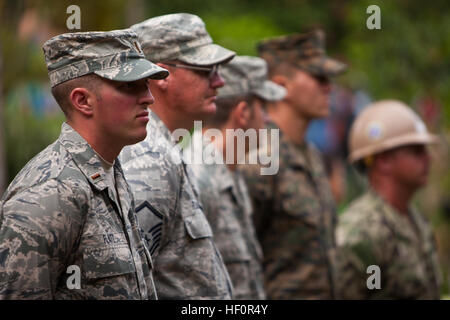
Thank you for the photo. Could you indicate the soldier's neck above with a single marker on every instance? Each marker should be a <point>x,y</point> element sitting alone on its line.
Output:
<point>172,118</point>
<point>221,146</point>
<point>101,144</point>
<point>398,196</point>
<point>291,124</point>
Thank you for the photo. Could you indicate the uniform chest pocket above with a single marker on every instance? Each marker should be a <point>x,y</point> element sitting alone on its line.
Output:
<point>234,250</point>
<point>298,197</point>
<point>107,260</point>
<point>197,226</point>
<point>229,237</point>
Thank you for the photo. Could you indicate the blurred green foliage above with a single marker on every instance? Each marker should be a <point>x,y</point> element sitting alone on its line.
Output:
<point>408,57</point>
<point>26,135</point>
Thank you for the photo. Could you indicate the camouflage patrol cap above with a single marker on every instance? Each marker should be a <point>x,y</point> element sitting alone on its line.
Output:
<point>180,36</point>
<point>114,55</point>
<point>305,51</point>
<point>246,74</point>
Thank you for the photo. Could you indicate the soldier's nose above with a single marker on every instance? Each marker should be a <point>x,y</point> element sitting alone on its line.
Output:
<point>216,81</point>
<point>148,97</point>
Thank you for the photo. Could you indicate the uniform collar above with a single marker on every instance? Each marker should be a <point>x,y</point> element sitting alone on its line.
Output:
<point>84,156</point>
<point>291,153</point>
<point>227,181</point>
<point>402,224</point>
<point>157,127</point>
<point>226,176</point>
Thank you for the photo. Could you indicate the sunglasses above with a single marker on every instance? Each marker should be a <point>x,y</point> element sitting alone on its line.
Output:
<point>212,71</point>
<point>322,79</point>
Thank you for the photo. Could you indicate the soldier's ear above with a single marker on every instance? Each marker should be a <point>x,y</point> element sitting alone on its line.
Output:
<point>383,162</point>
<point>280,80</point>
<point>162,84</point>
<point>241,114</point>
<point>83,100</point>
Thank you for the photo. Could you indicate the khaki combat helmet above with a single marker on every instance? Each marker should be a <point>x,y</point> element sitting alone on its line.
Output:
<point>385,125</point>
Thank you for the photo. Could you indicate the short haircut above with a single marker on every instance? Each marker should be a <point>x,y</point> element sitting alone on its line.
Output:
<point>225,106</point>
<point>283,68</point>
<point>61,92</point>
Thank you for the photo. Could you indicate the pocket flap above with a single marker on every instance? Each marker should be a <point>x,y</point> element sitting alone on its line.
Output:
<point>234,250</point>
<point>197,226</point>
<point>108,261</point>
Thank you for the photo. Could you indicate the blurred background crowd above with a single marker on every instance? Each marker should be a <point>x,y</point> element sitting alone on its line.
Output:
<point>407,59</point>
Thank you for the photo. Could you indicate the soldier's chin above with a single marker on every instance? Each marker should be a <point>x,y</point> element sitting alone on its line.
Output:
<point>325,113</point>
<point>424,179</point>
<point>138,137</point>
<point>321,113</point>
<point>210,108</point>
<point>419,183</point>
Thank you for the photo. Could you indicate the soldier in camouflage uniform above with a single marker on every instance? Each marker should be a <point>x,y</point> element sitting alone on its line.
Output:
<point>223,192</point>
<point>295,214</point>
<point>70,205</point>
<point>387,140</point>
<point>187,262</point>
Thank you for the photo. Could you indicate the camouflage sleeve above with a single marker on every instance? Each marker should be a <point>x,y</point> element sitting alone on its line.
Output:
<point>357,250</point>
<point>261,190</point>
<point>211,202</point>
<point>351,259</point>
<point>155,182</point>
<point>207,192</point>
<point>39,227</point>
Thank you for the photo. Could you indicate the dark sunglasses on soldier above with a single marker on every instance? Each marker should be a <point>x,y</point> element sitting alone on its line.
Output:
<point>210,70</point>
<point>322,79</point>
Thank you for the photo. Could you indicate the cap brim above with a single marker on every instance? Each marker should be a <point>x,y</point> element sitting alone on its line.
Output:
<point>411,139</point>
<point>207,55</point>
<point>325,66</point>
<point>134,69</point>
<point>270,91</point>
<point>333,67</point>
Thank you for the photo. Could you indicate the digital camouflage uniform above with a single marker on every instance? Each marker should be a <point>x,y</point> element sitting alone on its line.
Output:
<point>295,219</point>
<point>228,208</point>
<point>295,214</point>
<point>246,75</point>
<point>305,51</point>
<point>73,55</point>
<point>371,232</point>
<point>187,262</point>
<point>223,192</point>
<point>60,210</point>
<point>182,37</point>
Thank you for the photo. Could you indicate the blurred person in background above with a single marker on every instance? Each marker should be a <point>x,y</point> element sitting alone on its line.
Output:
<point>388,141</point>
<point>223,192</point>
<point>295,214</point>
<point>187,263</point>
